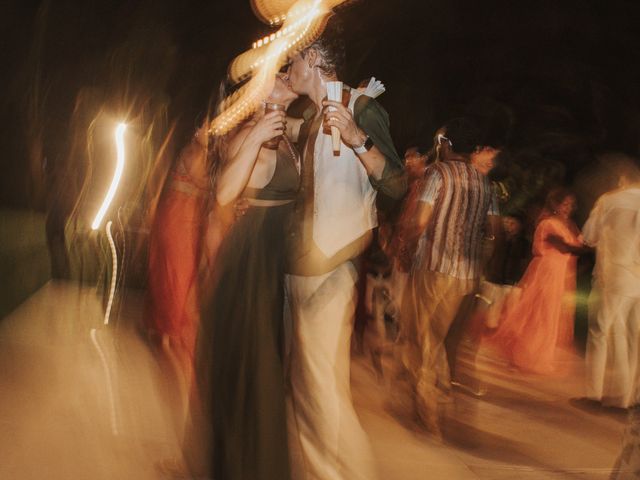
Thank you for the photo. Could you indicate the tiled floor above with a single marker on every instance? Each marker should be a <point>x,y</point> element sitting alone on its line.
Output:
<point>79,400</point>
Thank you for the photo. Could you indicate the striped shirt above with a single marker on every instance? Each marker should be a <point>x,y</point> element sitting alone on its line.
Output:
<point>461,198</point>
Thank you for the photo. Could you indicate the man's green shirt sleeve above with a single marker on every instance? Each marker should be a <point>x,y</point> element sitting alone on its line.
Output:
<point>374,121</point>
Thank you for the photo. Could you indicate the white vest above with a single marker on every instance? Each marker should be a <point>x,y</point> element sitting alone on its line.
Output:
<point>344,200</point>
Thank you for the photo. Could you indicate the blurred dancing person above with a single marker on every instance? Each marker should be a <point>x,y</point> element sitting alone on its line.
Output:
<point>390,233</point>
<point>415,163</point>
<point>504,270</point>
<point>456,203</point>
<point>240,343</point>
<point>466,329</point>
<point>174,253</point>
<point>539,322</point>
<point>334,218</point>
<point>400,250</point>
<point>613,354</point>
<point>508,264</point>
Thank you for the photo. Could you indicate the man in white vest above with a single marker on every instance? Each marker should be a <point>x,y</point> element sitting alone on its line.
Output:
<point>332,226</point>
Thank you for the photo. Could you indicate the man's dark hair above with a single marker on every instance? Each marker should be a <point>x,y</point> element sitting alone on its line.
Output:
<point>463,133</point>
<point>330,46</point>
<point>501,169</point>
<point>419,149</point>
<point>555,197</point>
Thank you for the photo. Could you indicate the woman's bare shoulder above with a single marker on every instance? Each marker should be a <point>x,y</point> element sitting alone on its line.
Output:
<point>238,136</point>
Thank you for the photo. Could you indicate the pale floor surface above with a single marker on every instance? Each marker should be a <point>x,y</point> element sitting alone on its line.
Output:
<point>83,401</point>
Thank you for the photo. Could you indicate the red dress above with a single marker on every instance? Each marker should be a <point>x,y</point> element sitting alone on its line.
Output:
<point>174,254</point>
<point>540,320</point>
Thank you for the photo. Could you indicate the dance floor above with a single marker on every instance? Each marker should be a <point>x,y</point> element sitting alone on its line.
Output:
<point>83,401</point>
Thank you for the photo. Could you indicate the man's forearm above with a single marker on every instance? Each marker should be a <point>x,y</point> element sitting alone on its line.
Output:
<point>374,162</point>
<point>373,159</point>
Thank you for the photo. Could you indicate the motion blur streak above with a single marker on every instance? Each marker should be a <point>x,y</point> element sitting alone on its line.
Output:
<point>119,135</point>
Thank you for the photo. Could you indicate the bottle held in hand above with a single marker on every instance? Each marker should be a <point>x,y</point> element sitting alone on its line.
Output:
<point>335,92</point>
<point>275,141</point>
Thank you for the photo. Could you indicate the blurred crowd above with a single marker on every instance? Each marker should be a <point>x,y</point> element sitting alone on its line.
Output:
<point>271,246</point>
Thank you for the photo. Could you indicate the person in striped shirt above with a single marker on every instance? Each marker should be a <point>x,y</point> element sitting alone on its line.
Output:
<point>455,206</point>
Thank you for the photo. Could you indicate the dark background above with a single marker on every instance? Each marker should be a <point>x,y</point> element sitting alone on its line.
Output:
<point>559,79</point>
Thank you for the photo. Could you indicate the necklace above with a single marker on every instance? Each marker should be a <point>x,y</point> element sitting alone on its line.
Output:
<point>292,152</point>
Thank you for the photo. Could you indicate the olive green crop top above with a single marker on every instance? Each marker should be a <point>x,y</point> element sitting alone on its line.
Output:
<point>285,181</point>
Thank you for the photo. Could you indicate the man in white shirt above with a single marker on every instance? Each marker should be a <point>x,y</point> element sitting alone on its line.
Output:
<point>613,228</point>
<point>331,228</point>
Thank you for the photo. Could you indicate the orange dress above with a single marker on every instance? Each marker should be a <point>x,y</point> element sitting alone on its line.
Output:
<point>174,254</point>
<point>540,320</point>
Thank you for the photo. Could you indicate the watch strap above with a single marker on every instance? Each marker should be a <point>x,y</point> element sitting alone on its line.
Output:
<point>365,147</point>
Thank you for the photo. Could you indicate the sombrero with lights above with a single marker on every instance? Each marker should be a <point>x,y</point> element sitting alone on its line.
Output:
<point>299,23</point>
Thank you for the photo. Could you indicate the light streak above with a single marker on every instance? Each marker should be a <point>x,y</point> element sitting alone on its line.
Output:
<point>114,273</point>
<point>119,135</point>
<point>113,416</point>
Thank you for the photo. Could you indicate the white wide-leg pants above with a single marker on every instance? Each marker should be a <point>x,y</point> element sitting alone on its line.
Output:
<point>324,424</point>
<point>613,349</point>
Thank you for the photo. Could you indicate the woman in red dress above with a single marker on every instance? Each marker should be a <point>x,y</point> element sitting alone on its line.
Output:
<point>539,321</point>
<point>174,255</point>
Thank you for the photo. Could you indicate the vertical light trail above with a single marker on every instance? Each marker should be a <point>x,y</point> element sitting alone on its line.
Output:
<point>113,415</point>
<point>114,273</point>
<point>116,176</point>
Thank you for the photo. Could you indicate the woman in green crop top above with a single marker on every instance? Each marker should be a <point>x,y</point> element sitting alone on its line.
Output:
<point>239,354</point>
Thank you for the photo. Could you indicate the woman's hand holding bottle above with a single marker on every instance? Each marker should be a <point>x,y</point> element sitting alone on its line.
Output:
<point>269,126</point>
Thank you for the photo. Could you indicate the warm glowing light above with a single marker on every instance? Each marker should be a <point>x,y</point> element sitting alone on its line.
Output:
<point>116,176</point>
<point>304,21</point>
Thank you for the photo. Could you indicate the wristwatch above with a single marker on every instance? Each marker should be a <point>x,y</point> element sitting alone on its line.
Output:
<point>365,147</point>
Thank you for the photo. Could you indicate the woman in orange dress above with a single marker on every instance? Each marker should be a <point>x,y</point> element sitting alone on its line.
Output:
<point>174,254</point>
<point>540,320</point>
